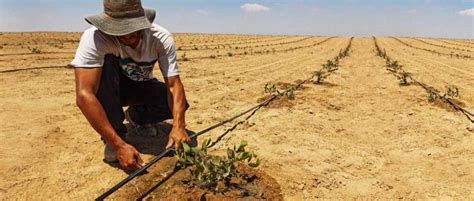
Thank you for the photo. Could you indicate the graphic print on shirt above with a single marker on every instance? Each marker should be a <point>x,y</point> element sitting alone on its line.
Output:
<point>137,71</point>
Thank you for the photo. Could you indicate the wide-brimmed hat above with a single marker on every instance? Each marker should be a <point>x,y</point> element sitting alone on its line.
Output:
<point>121,17</point>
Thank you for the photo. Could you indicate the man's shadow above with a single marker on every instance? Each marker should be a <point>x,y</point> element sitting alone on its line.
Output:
<point>152,145</point>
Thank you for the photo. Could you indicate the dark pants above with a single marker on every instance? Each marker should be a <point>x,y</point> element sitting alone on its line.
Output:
<point>147,101</point>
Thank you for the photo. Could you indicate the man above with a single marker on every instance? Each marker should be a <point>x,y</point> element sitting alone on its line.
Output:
<point>114,68</point>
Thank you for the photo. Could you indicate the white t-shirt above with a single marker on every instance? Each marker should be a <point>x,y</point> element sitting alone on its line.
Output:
<point>156,44</point>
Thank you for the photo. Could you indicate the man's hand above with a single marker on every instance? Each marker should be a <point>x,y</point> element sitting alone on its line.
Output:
<point>176,136</point>
<point>177,104</point>
<point>129,157</point>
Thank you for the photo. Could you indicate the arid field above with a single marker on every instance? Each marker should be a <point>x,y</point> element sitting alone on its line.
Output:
<point>359,133</point>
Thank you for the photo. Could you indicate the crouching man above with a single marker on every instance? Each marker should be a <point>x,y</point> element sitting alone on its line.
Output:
<point>114,68</point>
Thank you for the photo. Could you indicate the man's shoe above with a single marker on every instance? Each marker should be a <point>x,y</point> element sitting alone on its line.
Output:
<point>147,130</point>
<point>109,154</point>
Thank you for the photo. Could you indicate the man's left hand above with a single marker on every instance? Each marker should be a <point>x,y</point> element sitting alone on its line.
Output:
<point>176,136</point>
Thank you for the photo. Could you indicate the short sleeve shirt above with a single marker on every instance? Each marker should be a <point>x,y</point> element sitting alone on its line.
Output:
<point>156,45</point>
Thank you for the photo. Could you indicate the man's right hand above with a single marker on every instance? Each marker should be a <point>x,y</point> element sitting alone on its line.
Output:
<point>129,158</point>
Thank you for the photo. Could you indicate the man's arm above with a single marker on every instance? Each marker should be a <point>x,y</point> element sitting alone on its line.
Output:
<point>87,85</point>
<point>177,104</point>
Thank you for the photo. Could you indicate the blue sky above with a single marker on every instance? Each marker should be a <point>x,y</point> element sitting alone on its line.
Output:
<point>423,18</point>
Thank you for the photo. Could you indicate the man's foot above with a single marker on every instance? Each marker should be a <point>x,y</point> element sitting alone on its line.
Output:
<point>147,130</point>
<point>109,154</point>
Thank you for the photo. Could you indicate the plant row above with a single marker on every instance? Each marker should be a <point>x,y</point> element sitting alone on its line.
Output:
<point>406,78</point>
<point>329,67</point>
<point>212,44</point>
<point>231,45</point>
<point>190,40</point>
<point>442,46</point>
<point>430,50</point>
<point>456,43</point>
<point>215,173</point>
<point>252,52</point>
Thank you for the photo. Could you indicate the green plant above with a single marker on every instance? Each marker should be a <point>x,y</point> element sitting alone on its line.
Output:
<point>35,50</point>
<point>210,171</point>
<point>451,92</point>
<point>331,66</point>
<point>403,76</point>
<point>393,66</point>
<point>184,58</point>
<point>320,76</point>
<point>273,90</point>
<point>433,94</point>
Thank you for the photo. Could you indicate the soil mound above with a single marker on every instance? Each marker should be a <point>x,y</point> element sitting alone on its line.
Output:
<point>253,185</point>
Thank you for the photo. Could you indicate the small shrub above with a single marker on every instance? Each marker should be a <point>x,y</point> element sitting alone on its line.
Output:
<point>230,54</point>
<point>320,76</point>
<point>331,66</point>
<point>213,56</point>
<point>210,171</point>
<point>433,95</point>
<point>273,90</point>
<point>35,51</point>
<point>403,77</point>
<point>393,66</point>
<point>184,58</point>
<point>451,92</point>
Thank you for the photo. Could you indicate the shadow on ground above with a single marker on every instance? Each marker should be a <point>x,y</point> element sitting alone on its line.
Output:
<point>152,145</point>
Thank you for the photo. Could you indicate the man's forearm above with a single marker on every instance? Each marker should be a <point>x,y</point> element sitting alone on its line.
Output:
<point>95,114</point>
<point>179,107</point>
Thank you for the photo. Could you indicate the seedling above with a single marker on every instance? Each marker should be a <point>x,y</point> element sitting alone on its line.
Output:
<point>35,50</point>
<point>331,66</point>
<point>433,94</point>
<point>184,58</point>
<point>270,88</point>
<point>403,76</point>
<point>393,66</point>
<point>320,76</point>
<point>210,171</point>
<point>273,90</point>
<point>451,92</point>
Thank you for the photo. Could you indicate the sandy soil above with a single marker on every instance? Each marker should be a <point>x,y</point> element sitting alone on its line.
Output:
<point>359,135</point>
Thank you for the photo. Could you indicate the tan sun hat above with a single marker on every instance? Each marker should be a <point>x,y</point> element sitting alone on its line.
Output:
<point>121,17</point>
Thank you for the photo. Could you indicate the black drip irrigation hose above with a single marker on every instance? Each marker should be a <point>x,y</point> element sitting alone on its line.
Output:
<point>253,109</point>
<point>169,150</point>
<point>219,138</point>
<point>469,115</point>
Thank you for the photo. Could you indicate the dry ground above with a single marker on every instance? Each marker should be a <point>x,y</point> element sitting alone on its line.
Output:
<point>359,135</point>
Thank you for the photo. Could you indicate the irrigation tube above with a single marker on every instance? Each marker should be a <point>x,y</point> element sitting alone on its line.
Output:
<point>164,153</point>
<point>466,113</point>
<point>469,115</point>
<point>158,157</point>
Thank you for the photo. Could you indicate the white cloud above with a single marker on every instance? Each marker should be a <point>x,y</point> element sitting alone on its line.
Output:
<point>253,7</point>
<point>468,12</point>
